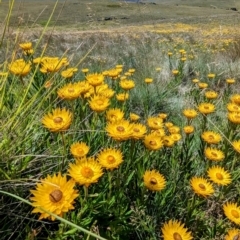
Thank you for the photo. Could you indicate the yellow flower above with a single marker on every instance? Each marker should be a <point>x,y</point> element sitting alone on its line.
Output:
<point>19,67</point>
<point>153,142</point>
<point>236,145</point>
<point>175,72</point>
<point>175,230</point>
<point>122,97</point>
<point>201,186</point>
<point>219,175</point>
<point>206,108</point>
<point>114,115</point>
<point>170,54</point>
<point>120,131</point>
<point>211,94</point>
<point>195,80</point>
<point>235,98</point>
<point>168,124</point>
<point>214,154</point>
<point>99,103</point>
<point>52,64</point>
<point>127,84</point>
<point>232,212</point>
<point>114,73</point>
<point>68,73</point>
<point>232,107</point>
<point>162,115</point>
<point>85,70</point>
<point>202,85</point>
<point>188,129</point>
<point>58,120</point>
<point>54,194</point>
<point>134,117</point>
<point>211,75</point>
<point>70,91</point>
<point>148,80</point>
<point>175,137</point>
<point>159,132</point>
<point>155,123</point>
<point>189,113</point>
<point>233,234</point>
<point>110,158</point>
<point>79,149</point>
<point>230,80</point>
<point>154,181</point>
<point>95,79</point>
<point>168,141</point>
<point>131,70</point>
<point>234,117</point>
<point>158,69</point>
<point>85,172</point>
<point>211,137</point>
<point>174,129</point>
<point>138,131</point>
<point>26,46</point>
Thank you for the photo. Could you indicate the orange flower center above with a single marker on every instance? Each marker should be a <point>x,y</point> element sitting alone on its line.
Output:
<point>80,151</point>
<point>177,236</point>
<point>110,159</point>
<point>70,90</point>
<point>235,213</point>
<point>153,181</point>
<point>58,120</point>
<point>136,130</point>
<point>214,154</point>
<point>211,137</point>
<point>202,186</point>
<point>152,142</point>
<point>120,128</point>
<point>219,176</point>
<point>87,172</point>
<point>55,196</point>
<point>99,102</point>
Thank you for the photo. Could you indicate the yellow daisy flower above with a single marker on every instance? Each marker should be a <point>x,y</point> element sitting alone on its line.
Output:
<point>232,212</point>
<point>174,129</point>
<point>234,117</point>
<point>236,145</point>
<point>85,70</point>
<point>19,67</point>
<point>175,230</point>
<point>54,194</point>
<point>168,124</point>
<point>213,154</point>
<point>233,234</point>
<point>122,97</point>
<point>79,149</point>
<point>153,142</point>
<point>232,107</point>
<point>138,131</point>
<point>188,129</point>
<point>162,115</point>
<point>68,73</point>
<point>134,117</point>
<point>70,91</point>
<point>154,181</point>
<point>159,132</point>
<point>168,141</point>
<point>58,120</point>
<point>85,172</point>
<point>235,99</point>
<point>110,158</point>
<point>127,84</point>
<point>52,64</point>
<point>175,137</point>
<point>206,108</point>
<point>155,123</point>
<point>202,85</point>
<point>175,72</point>
<point>190,113</point>
<point>211,94</point>
<point>99,103</point>
<point>131,70</point>
<point>211,137</point>
<point>120,131</point>
<point>148,80</point>
<point>26,46</point>
<point>95,79</point>
<point>230,80</point>
<point>219,175</point>
<point>201,186</point>
<point>211,75</point>
<point>195,80</point>
<point>114,115</point>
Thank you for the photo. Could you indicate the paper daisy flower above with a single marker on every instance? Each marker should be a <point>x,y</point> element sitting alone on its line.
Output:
<point>211,75</point>
<point>68,73</point>
<point>58,120</point>
<point>188,129</point>
<point>122,97</point>
<point>168,141</point>
<point>162,115</point>
<point>235,98</point>
<point>148,80</point>
<point>153,142</point>
<point>134,117</point>
<point>26,46</point>
<point>234,117</point>
<point>233,234</point>
<point>79,149</point>
<point>190,113</point>
<point>99,103</point>
<point>233,107</point>
<point>110,158</point>
<point>120,131</point>
<point>201,186</point>
<point>85,172</point>
<point>19,67</point>
<point>54,194</point>
<point>155,123</point>
<point>214,154</point>
<point>70,91</point>
<point>236,145</point>
<point>219,176</point>
<point>202,85</point>
<point>175,137</point>
<point>138,131</point>
<point>206,108</point>
<point>159,132</point>
<point>127,84</point>
<point>52,64</point>
<point>95,79</point>
<point>175,230</point>
<point>174,129</point>
<point>211,94</point>
<point>114,115</point>
<point>230,81</point>
<point>154,181</point>
<point>232,212</point>
<point>211,137</point>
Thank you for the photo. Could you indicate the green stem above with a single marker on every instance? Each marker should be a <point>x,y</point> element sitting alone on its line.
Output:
<point>64,150</point>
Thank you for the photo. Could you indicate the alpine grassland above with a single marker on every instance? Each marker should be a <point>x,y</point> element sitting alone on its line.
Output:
<point>119,120</point>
